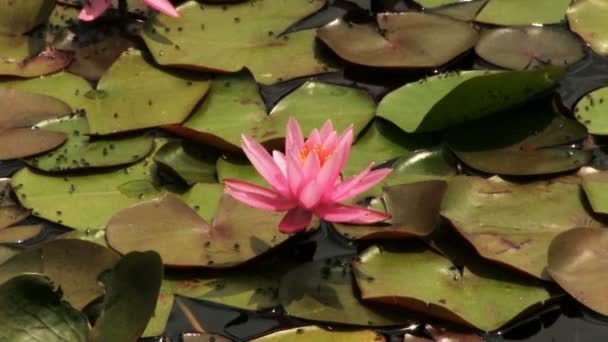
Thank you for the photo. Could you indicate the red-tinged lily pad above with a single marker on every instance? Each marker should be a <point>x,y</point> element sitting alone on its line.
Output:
<point>485,298</point>
<point>19,17</point>
<point>234,107</point>
<point>578,262</point>
<point>529,47</point>
<point>164,223</point>
<point>323,291</point>
<point>587,19</point>
<point>80,151</point>
<point>132,288</point>
<point>120,98</point>
<point>536,140</point>
<point>590,110</point>
<point>414,208</point>
<point>31,309</point>
<point>28,56</point>
<point>402,40</point>
<point>192,163</point>
<point>523,12</point>
<point>314,333</point>
<point>595,185</point>
<point>441,101</point>
<point>21,110</point>
<point>19,234</point>
<point>74,265</point>
<point>240,35</point>
<point>10,210</point>
<point>515,223</point>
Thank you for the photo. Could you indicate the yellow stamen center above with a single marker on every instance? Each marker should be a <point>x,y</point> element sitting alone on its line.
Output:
<point>318,149</point>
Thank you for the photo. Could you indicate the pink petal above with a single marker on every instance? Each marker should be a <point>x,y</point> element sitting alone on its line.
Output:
<point>295,220</point>
<point>257,196</point>
<point>332,168</point>
<point>263,162</point>
<point>279,159</point>
<point>93,9</point>
<point>352,214</point>
<point>295,177</point>
<point>293,137</point>
<point>359,183</point>
<point>311,167</point>
<point>330,143</point>
<point>327,129</point>
<point>314,139</point>
<point>163,6</point>
<point>310,196</point>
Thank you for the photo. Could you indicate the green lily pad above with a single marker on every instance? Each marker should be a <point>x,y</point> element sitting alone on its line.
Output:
<point>97,236</point>
<point>164,223</point>
<point>314,333</point>
<point>590,111</point>
<point>234,107</point>
<point>93,60</point>
<point>19,17</point>
<point>72,264</point>
<point>238,168</point>
<point>402,40</point>
<point>323,291</point>
<point>19,234</point>
<point>28,56</point>
<point>435,3</point>
<point>485,298</point>
<point>507,222</point>
<point>190,162</point>
<point>596,188</point>
<point>158,323</point>
<point>444,100</point>
<point>203,337</point>
<point>67,199</point>
<point>529,47</point>
<point>240,35</point>
<point>414,208</point>
<point>463,10</point>
<point>523,12</point>
<point>131,293</point>
<point>120,99</point>
<point>381,142</point>
<point>31,308</point>
<point>536,140</point>
<point>10,210</point>
<point>578,263</point>
<point>586,18</point>
<point>80,151</point>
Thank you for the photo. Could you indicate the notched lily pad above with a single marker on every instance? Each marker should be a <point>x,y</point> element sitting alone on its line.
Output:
<point>529,47</point>
<point>247,34</point>
<point>323,291</point>
<point>535,140</point>
<point>444,100</point>
<point>164,223</point>
<point>29,56</point>
<point>484,298</point>
<point>578,261</point>
<point>508,222</point>
<point>10,210</point>
<point>19,17</point>
<point>81,151</point>
<point>192,163</point>
<point>595,185</point>
<point>402,40</point>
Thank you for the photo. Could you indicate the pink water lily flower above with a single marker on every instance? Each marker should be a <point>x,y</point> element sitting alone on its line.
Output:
<point>306,179</point>
<point>94,8</point>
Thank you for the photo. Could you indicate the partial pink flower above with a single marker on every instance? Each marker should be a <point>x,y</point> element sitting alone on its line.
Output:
<point>306,181</point>
<point>94,8</point>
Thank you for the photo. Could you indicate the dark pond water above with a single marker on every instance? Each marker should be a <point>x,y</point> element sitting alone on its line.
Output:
<point>565,321</point>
